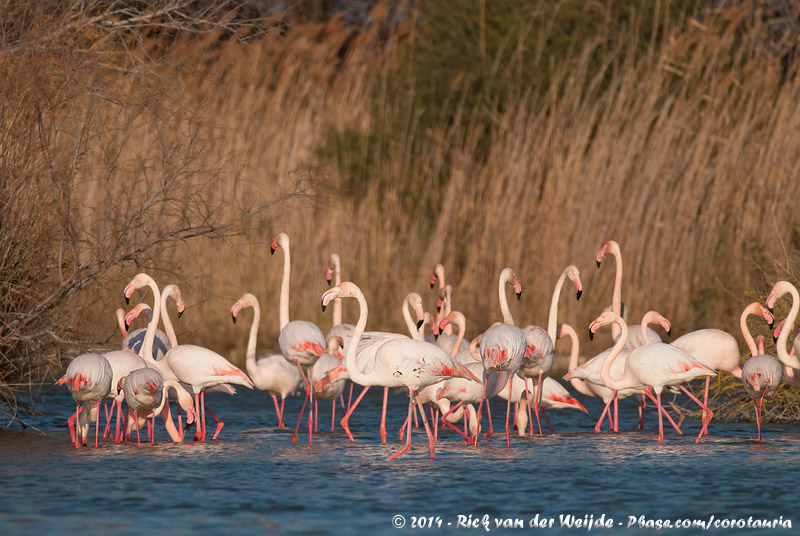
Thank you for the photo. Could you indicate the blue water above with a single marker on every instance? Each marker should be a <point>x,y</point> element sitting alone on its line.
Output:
<point>255,480</point>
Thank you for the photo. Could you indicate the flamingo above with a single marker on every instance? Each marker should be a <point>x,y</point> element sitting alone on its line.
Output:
<point>789,373</point>
<point>332,390</point>
<point>442,302</point>
<point>612,248</point>
<point>652,367</point>
<point>301,342</point>
<point>761,374</point>
<point>405,363</point>
<point>780,289</point>
<point>193,365</point>
<point>588,375</point>
<point>369,343</point>
<point>88,379</point>
<point>269,372</point>
<point>503,346</point>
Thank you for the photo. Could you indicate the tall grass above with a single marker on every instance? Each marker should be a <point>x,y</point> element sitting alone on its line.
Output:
<point>686,154</point>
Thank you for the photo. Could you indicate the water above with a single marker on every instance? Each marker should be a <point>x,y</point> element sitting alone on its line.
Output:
<point>255,480</point>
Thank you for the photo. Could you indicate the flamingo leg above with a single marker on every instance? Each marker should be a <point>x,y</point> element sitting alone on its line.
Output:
<point>350,396</point>
<point>302,409</point>
<point>660,419</point>
<point>616,413</point>
<point>203,409</point>
<point>178,412</point>
<point>489,416</point>
<point>136,420</point>
<point>706,411</point>
<point>435,424</point>
<point>606,409</point>
<point>281,423</point>
<point>316,415</point>
<point>528,396</point>
<point>345,420</point>
<point>97,426</point>
<point>299,420</point>
<point>536,400</point>
<point>277,410</point>
<point>642,405</point>
<point>480,406</point>
<point>508,412</point>
<point>705,397</point>
<point>71,421</point>
<point>107,429</point>
<point>407,446</point>
<point>446,423</point>
<point>333,415</point>
<point>678,411</point>
<point>402,433</point>
<point>664,412</point>
<point>431,442</point>
<point>118,404</point>
<point>199,430</point>
<point>383,414</point>
<point>218,422</point>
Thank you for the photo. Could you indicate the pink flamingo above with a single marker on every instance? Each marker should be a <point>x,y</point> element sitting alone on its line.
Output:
<point>652,367</point>
<point>301,342</point>
<point>332,390</point>
<point>503,346</point>
<point>398,362</point>
<point>88,379</point>
<point>761,374</point>
<point>193,365</point>
<point>270,372</point>
<point>780,289</point>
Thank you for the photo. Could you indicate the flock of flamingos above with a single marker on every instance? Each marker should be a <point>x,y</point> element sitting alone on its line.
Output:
<point>445,376</point>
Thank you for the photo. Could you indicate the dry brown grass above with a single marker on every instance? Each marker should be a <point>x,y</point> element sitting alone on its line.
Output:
<point>688,156</point>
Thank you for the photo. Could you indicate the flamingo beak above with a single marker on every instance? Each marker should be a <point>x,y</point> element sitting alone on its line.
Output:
<point>578,294</point>
<point>272,247</point>
<point>180,314</point>
<point>669,332</point>
<point>419,323</point>
<point>233,317</point>
<point>433,280</point>
<point>329,275</point>
<point>323,307</point>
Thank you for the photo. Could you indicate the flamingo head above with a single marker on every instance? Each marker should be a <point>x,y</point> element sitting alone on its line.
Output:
<point>575,276</point>
<point>282,240</point>
<point>433,280</point>
<point>329,296</point>
<point>135,312</point>
<point>179,303</point>
<point>415,301</point>
<point>247,300</point>
<point>329,275</point>
<point>137,282</point>
<point>121,384</point>
<point>515,283</point>
<point>778,289</point>
<point>764,312</point>
<point>605,318</point>
<point>430,321</point>
<point>334,343</point>
<point>438,273</point>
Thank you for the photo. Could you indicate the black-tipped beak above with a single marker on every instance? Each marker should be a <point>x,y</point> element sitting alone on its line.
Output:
<point>419,323</point>
<point>127,326</point>
<point>579,294</point>
<point>271,250</point>
<point>127,300</point>
<point>770,310</point>
<point>774,338</point>
<point>328,280</point>
<point>669,332</point>
<point>772,325</point>
<point>233,318</point>
<point>323,307</point>
<point>598,263</point>
<point>591,335</point>
<point>438,308</point>
<point>435,336</point>
<point>188,425</point>
<point>519,295</point>
<point>180,314</point>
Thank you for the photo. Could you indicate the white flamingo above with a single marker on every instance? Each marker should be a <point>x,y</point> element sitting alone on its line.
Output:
<point>398,362</point>
<point>301,341</point>
<point>88,379</point>
<point>270,372</point>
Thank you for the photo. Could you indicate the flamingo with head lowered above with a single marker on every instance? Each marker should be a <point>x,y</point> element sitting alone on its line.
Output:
<point>407,363</point>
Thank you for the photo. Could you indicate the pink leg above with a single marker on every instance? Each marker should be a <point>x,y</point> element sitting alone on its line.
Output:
<point>299,419</point>
<point>678,411</point>
<point>416,422</point>
<point>97,426</point>
<point>480,406</point>
<point>489,416</point>
<point>277,410</point>
<point>431,442</point>
<point>405,448</point>
<point>536,403</point>
<point>333,415</point>
<point>606,409</point>
<point>402,432</point>
<point>661,410</point>
<point>508,413</point>
<point>282,423</point>
<point>530,416</point>
<point>305,400</point>
<point>616,414</point>
<point>350,396</point>
<point>71,421</point>
<point>383,414</point>
<point>107,429</point>
<point>203,410</point>
<point>178,412</point>
<point>219,422</point>
<point>346,418</point>
<point>642,406</point>
<point>660,421</point>
<point>705,395</point>
<point>136,420</point>
<point>316,415</point>
<point>198,435</point>
<point>550,426</point>
<point>117,437</point>
<point>708,412</point>
<point>436,424</point>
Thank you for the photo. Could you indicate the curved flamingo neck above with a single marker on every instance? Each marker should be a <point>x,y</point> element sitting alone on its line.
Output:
<point>616,297</point>
<point>287,269</point>
<point>410,324</point>
<point>783,355</point>
<point>552,321</point>
<point>337,280</point>
<point>350,357</point>
<point>150,334</point>
<point>504,277</point>
<point>578,384</point>
<point>650,317</point>
<point>461,322</point>
<point>121,322</point>
<point>250,358</point>
<point>605,371</point>
<point>447,306</point>
<point>748,337</point>
<point>168,329</point>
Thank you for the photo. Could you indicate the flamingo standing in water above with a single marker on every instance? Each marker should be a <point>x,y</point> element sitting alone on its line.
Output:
<point>652,367</point>
<point>761,374</point>
<point>405,363</point>
<point>332,390</point>
<point>503,346</point>
<point>270,372</point>
<point>88,379</point>
<point>193,365</point>
<point>301,342</point>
